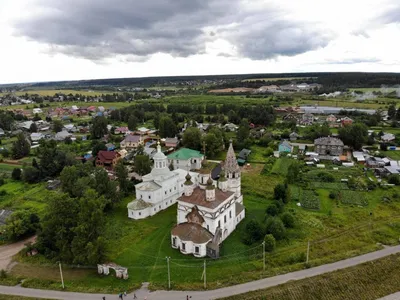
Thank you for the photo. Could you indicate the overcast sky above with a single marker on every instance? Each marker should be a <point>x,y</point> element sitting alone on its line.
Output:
<point>49,40</point>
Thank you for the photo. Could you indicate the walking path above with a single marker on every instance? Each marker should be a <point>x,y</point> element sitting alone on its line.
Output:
<point>8,251</point>
<point>212,294</point>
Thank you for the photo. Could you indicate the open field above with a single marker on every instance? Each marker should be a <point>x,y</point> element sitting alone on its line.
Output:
<point>386,90</point>
<point>368,281</point>
<point>393,154</point>
<point>65,92</point>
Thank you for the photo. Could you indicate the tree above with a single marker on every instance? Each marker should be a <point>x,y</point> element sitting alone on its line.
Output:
<point>122,177</point>
<point>243,132</point>
<point>270,243</point>
<point>213,144</point>
<point>167,127</point>
<point>192,138</point>
<point>272,210</point>
<point>142,164</point>
<point>33,127</point>
<point>31,175</point>
<point>132,122</point>
<point>87,245</point>
<point>21,147</point>
<point>288,220</point>
<point>98,146</point>
<point>16,174</point>
<point>354,135</point>
<point>68,177</point>
<point>20,224</point>
<point>57,126</point>
<point>252,232</point>
<point>99,127</point>
<point>281,193</point>
<point>55,238</point>
<point>394,179</point>
<point>293,172</point>
<point>275,227</point>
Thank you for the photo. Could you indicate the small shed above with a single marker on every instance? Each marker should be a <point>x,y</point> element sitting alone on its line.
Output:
<point>285,146</point>
<point>243,155</point>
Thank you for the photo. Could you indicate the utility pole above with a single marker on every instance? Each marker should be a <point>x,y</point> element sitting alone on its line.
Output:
<point>169,276</point>
<point>205,275</point>
<point>308,250</point>
<point>263,243</point>
<point>62,279</point>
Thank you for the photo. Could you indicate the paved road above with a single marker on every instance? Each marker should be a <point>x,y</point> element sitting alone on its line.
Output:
<point>8,251</point>
<point>395,296</point>
<point>212,294</point>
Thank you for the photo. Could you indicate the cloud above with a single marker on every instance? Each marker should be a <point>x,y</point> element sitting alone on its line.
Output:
<point>101,29</point>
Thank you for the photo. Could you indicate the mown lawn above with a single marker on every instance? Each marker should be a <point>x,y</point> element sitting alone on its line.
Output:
<point>368,281</point>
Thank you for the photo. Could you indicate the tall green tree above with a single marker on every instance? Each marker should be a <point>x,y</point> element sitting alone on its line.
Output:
<point>87,245</point>
<point>21,224</point>
<point>132,122</point>
<point>99,127</point>
<point>142,164</point>
<point>213,144</point>
<point>33,128</point>
<point>293,173</point>
<point>354,135</point>
<point>167,127</point>
<point>392,111</point>
<point>122,176</point>
<point>192,138</point>
<point>21,147</point>
<point>243,132</point>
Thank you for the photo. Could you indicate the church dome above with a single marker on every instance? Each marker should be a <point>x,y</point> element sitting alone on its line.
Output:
<point>210,185</point>
<point>188,177</point>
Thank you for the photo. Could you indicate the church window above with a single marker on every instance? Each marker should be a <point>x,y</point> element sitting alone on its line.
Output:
<point>149,197</point>
<point>196,249</point>
<point>165,192</point>
<point>174,241</point>
<point>175,188</point>
<point>170,190</point>
<point>230,214</point>
<point>154,209</point>
<point>183,246</point>
<point>181,185</point>
<point>208,227</point>
<point>140,214</point>
<point>225,219</point>
<point>219,223</point>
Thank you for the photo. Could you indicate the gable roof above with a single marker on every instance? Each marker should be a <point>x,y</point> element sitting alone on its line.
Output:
<point>132,138</point>
<point>106,156</point>
<point>184,154</point>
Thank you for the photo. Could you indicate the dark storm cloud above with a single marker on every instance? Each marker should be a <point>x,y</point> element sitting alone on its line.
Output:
<point>97,29</point>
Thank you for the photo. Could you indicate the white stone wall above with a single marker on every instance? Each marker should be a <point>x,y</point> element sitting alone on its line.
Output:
<point>189,247</point>
<point>195,163</point>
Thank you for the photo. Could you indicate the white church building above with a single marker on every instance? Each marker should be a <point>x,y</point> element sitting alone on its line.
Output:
<point>209,211</point>
<point>159,189</point>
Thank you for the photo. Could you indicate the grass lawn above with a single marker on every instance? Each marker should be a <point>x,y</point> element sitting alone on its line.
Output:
<point>7,168</point>
<point>69,104</point>
<point>368,281</point>
<point>50,92</point>
<point>281,166</point>
<point>394,154</point>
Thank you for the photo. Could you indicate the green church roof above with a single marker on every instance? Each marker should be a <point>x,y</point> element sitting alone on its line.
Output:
<point>185,154</point>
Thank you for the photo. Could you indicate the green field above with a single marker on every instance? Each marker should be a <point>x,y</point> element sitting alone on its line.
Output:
<point>368,281</point>
<point>69,104</point>
<point>278,78</point>
<point>392,154</point>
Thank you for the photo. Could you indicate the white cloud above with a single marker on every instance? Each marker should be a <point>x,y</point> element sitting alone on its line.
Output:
<point>341,35</point>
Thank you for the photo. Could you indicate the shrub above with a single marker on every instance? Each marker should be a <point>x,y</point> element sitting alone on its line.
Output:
<point>288,220</point>
<point>272,210</point>
<point>332,195</point>
<point>252,233</point>
<point>325,177</point>
<point>276,228</point>
<point>16,174</point>
<point>394,179</point>
<point>2,181</point>
<point>270,243</point>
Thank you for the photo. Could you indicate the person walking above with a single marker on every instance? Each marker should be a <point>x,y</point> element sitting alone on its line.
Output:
<point>104,298</point>
<point>134,296</point>
<point>125,293</point>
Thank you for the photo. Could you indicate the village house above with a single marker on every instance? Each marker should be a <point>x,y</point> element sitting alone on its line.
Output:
<point>243,156</point>
<point>285,146</point>
<point>346,121</point>
<point>293,136</point>
<point>328,146</point>
<point>171,142</point>
<point>186,158</point>
<point>388,137</point>
<point>131,142</point>
<point>209,212</point>
<point>36,136</point>
<point>230,127</point>
<point>107,159</point>
<point>121,130</point>
<point>307,119</point>
<point>2,133</point>
<point>332,121</point>
<point>37,111</point>
<point>62,135</point>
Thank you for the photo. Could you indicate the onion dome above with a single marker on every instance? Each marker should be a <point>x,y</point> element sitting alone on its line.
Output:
<point>188,179</point>
<point>222,177</point>
<point>210,185</point>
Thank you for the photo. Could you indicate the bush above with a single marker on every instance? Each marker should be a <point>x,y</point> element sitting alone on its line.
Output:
<point>270,243</point>
<point>2,181</point>
<point>252,233</point>
<point>325,177</point>
<point>288,220</point>
<point>272,210</point>
<point>16,174</point>
<point>394,179</point>
<point>332,195</point>
<point>276,228</point>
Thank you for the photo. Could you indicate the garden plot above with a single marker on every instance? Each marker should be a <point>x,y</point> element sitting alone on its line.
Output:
<point>352,198</point>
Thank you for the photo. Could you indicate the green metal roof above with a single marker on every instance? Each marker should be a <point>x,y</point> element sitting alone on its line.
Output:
<point>184,154</point>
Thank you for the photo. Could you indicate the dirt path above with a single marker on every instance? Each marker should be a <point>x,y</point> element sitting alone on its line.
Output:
<point>8,251</point>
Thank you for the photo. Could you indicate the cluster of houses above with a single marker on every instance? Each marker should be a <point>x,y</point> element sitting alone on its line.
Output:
<point>333,149</point>
<point>307,119</point>
<point>287,88</point>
